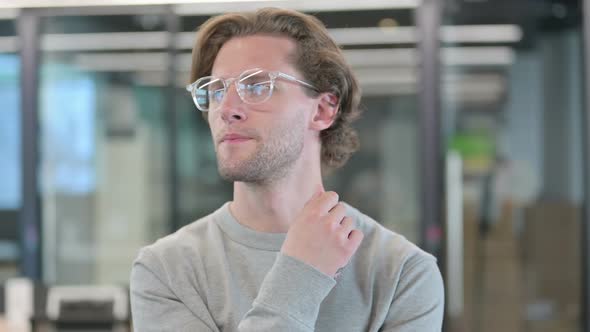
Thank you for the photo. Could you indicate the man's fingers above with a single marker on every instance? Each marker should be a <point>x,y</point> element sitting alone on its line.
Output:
<point>323,203</point>
<point>355,237</point>
<point>337,214</point>
<point>327,201</point>
<point>347,226</point>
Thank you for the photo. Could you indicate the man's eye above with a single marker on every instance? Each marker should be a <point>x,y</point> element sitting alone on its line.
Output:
<point>216,95</point>
<point>258,88</point>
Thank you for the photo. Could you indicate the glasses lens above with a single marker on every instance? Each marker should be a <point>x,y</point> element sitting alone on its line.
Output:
<point>255,86</point>
<point>209,92</point>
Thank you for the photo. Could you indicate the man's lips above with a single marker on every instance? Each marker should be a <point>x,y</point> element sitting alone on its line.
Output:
<point>234,138</point>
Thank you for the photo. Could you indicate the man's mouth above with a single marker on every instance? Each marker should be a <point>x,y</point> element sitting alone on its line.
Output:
<point>234,138</point>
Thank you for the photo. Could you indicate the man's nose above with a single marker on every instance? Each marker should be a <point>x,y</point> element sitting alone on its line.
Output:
<point>232,106</point>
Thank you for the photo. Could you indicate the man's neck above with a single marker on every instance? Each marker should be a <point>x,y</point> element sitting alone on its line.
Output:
<point>272,207</point>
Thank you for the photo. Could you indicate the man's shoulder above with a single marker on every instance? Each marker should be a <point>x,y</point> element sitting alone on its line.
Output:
<point>188,241</point>
<point>384,246</point>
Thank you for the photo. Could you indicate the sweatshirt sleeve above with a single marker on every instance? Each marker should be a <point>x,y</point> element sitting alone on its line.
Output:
<point>288,300</point>
<point>155,307</point>
<point>418,302</point>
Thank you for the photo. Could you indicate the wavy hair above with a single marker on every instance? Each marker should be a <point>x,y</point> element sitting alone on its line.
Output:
<point>317,58</point>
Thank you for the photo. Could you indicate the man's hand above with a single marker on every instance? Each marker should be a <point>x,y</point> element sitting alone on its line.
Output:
<point>322,235</point>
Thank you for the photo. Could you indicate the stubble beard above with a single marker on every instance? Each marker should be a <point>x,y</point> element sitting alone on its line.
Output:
<point>272,159</point>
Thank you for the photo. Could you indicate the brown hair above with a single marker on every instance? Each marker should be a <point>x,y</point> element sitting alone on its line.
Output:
<point>317,58</point>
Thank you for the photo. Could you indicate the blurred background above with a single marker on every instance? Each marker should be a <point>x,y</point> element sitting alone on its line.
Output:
<point>474,146</point>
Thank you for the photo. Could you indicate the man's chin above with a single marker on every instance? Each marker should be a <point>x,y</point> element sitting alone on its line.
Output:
<point>228,175</point>
<point>235,173</point>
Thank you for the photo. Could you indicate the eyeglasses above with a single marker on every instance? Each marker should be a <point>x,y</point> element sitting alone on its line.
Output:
<point>254,86</point>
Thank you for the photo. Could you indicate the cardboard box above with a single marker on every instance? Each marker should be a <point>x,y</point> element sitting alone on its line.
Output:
<point>552,256</point>
<point>493,274</point>
<point>553,326</point>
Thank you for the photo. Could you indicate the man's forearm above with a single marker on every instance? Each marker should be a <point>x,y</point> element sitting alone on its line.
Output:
<point>289,298</point>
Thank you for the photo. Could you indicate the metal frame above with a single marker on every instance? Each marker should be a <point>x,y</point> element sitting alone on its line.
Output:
<point>173,27</point>
<point>432,166</point>
<point>30,217</point>
<point>97,10</point>
<point>431,143</point>
<point>585,312</point>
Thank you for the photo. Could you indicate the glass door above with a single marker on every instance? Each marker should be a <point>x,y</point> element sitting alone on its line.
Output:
<point>103,135</point>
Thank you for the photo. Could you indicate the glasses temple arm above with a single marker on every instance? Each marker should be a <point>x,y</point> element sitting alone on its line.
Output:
<point>291,78</point>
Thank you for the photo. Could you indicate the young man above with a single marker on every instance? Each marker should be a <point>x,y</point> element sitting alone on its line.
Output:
<point>284,255</point>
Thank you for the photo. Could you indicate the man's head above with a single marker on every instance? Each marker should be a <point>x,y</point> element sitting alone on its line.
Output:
<point>294,44</point>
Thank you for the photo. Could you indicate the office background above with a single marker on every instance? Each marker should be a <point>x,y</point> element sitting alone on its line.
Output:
<point>474,142</point>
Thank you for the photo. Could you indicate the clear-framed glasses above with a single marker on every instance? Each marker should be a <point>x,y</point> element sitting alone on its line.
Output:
<point>254,86</point>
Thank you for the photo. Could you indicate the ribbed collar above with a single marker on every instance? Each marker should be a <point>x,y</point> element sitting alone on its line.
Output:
<point>244,235</point>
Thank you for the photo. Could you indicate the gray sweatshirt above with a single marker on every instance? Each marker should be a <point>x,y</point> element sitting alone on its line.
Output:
<point>218,275</point>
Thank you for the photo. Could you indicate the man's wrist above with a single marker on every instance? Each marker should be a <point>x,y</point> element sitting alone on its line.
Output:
<point>295,288</point>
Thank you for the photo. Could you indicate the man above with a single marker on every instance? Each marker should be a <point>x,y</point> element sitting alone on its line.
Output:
<point>284,255</point>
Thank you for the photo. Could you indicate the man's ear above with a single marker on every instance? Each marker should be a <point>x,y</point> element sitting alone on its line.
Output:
<point>325,113</point>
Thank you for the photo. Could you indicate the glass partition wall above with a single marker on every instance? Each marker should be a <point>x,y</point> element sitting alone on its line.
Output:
<point>103,143</point>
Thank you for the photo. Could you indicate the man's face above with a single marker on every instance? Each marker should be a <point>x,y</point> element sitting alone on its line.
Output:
<point>259,143</point>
